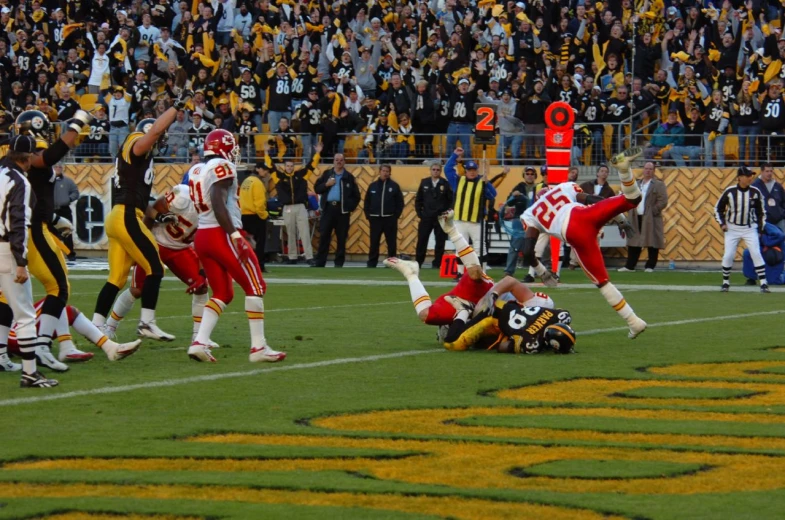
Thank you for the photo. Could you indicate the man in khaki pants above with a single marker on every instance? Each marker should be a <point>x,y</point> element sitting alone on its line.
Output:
<point>292,190</point>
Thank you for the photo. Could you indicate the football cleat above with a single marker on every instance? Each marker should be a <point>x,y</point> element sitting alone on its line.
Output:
<point>267,354</point>
<point>550,279</point>
<point>459,304</point>
<point>74,355</point>
<point>44,357</point>
<point>109,331</point>
<point>725,287</point>
<point>637,328</point>
<point>405,267</point>
<point>623,160</point>
<point>37,380</point>
<point>625,270</point>
<point>6,365</point>
<point>210,343</point>
<point>560,337</point>
<point>117,351</point>
<point>764,288</point>
<point>441,333</point>
<point>152,331</point>
<point>446,220</point>
<point>201,353</point>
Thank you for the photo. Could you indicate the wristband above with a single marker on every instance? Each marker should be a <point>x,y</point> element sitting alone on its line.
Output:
<point>236,235</point>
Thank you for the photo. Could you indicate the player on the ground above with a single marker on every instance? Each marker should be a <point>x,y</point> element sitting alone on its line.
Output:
<point>74,318</point>
<point>472,286</point>
<point>45,259</point>
<point>510,327</point>
<point>560,212</point>
<point>225,254</point>
<point>174,232</point>
<point>130,241</point>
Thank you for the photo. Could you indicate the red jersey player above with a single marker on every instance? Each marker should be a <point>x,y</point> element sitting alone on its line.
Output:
<point>174,232</point>
<point>225,254</point>
<point>561,212</point>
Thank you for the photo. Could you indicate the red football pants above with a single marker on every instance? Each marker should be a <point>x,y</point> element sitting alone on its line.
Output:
<point>442,312</point>
<point>221,265</point>
<point>585,224</point>
<point>182,262</point>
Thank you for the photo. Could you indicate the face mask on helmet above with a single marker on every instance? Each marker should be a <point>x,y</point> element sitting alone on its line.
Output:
<point>561,338</point>
<point>33,123</point>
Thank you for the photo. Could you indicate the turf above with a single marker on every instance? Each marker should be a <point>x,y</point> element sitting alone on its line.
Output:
<point>369,418</point>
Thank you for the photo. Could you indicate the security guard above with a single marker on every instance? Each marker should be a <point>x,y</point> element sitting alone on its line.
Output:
<point>434,197</point>
<point>46,261</point>
<point>383,207</point>
<point>130,241</point>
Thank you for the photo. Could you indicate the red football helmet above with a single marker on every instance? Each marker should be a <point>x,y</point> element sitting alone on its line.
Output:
<point>221,143</point>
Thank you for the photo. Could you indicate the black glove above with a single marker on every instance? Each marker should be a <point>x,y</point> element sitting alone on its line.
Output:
<point>165,218</point>
<point>184,97</point>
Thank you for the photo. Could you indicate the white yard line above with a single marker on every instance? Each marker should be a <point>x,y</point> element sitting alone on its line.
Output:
<point>319,364</point>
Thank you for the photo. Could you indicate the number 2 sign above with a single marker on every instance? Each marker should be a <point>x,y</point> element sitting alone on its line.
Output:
<point>485,127</point>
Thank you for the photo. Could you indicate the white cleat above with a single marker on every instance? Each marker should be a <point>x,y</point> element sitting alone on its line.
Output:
<point>44,357</point>
<point>459,304</point>
<point>152,331</point>
<point>267,354</point>
<point>623,160</point>
<point>6,365</point>
<point>210,343</point>
<point>201,353</point>
<point>74,355</point>
<point>446,220</point>
<point>117,351</point>
<point>405,267</point>
<point>637,328</point>
<point>441,333</point>
<point>109,332</point>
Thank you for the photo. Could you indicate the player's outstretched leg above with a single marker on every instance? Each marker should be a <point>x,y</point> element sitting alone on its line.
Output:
<point>122,306</point>
<point>68,350</point>
<point>620,305</point>
<point>260,350</point>
<point>114,351</point>
<point>465,252</point>
<point>623,163</point>
<point>410,271</point>
<point>198,302</point>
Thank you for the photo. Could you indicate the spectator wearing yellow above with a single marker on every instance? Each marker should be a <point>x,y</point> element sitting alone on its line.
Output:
<point>253,208</point>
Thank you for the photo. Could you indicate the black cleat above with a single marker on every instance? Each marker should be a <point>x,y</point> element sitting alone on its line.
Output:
<point>528,279</point>
<point>725,288</point>
<point>765,288</point>
<point>36,380</point>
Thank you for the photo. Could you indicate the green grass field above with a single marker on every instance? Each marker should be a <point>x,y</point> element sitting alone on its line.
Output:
<point>369,418</point>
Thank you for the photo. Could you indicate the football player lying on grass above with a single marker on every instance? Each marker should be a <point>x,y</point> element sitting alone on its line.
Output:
<point>503,324</point>
<point>68,351</point>
<point>471,288</point>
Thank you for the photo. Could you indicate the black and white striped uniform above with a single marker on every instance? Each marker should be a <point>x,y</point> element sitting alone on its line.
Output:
<point>743,211</point>
<point>16,203</point>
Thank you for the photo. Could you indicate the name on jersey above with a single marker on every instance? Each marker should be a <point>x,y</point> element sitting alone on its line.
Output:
<point>540,322</point>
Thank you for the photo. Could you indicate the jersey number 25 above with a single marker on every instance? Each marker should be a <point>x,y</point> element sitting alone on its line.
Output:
<point>545,210</point>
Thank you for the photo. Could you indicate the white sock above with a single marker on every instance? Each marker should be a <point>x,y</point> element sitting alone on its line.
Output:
<point>4,331</point>
<point>198,302</point>
<point>539,269</point>
<point>89,330</point>
<point>212,311</point>
<point>463,315</point>
<point>99,320</point>
<point>46,329</point>
<point>148,315</point>
<point>254,309</point>
<point>122,306</point>
<point>420,297</point>
<point>629,187</point>
<point>463,250</point>
<point>63,332</point>
<point>617,301</point>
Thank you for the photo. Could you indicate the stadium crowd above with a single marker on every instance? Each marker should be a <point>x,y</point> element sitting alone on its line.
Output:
<point>398,72</point>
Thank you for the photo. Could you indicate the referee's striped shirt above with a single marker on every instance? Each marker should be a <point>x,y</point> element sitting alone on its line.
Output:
<point>16,203</point>
<point>741,207</point>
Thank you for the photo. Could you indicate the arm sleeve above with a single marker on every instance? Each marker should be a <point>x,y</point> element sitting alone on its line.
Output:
<point>418,202</point>
<point>719,209</point>
<point>18,199</point>
<point>260,200</point>
<point>73,191</point>
<point>449,171</point>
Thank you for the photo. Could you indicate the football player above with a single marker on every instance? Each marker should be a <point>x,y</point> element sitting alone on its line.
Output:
<point>471,287</point>
<point>174,232</point>
<point>45,259</point>
<point>74,318</point>
<point>509,327</point>
<point>561,212</point>
<point>225,253</point>
<point>130,241</point>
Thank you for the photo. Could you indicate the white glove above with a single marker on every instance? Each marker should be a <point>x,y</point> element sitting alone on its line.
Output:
<point>487,302</point>
<point>550,279</point>
<point>64,226</point>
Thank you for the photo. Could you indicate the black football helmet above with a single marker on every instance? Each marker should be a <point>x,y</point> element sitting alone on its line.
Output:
<point>144,126</point>
<point>560,337</point>
<point>33,123</point>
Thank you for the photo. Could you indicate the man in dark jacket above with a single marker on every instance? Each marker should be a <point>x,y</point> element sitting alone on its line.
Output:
<point>434,197</point>
<point>291,187</point>
<point>773,196</point>
<point>383,207</point>
<point>599,186</point>
<point>339,196</point>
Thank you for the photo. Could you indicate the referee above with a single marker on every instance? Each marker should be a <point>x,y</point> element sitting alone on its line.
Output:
<point>16,201</point>
<point>741,214</point>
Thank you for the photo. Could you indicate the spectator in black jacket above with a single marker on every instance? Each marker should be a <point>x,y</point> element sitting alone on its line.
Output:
<point>423,119</point>
<point>339,195</point>
<point>383,207</point>
<point>291,188</point>
<point>434,197</point>
<point>773,196</point>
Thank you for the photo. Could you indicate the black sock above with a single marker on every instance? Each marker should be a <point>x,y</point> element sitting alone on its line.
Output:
<point>152,285</point>
<point>106,297</point>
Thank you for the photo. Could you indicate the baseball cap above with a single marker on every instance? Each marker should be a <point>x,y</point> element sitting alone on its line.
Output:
<point>743,170</point>
<point>22,143</point>
<point>464,80</point>
<point>223,101</point>
<point>5,10</point>
<point>470,165</point>
<point>529,169</point>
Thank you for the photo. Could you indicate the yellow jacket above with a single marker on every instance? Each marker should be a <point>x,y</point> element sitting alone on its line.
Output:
<point>253,197</point>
